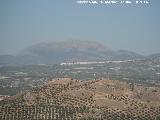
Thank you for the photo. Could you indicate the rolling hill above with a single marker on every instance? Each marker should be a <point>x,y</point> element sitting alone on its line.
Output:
<point>70,99</point>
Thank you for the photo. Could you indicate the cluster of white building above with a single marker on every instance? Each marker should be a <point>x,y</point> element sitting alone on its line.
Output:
<point>93,62</point>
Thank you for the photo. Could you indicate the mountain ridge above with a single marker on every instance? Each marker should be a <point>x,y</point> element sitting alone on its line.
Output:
<point>67,51</point>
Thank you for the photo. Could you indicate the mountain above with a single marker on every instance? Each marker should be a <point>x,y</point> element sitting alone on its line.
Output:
<point>125,54</point>
<point>154,56</point>
<point>66,51</point>
<point>8,60</point>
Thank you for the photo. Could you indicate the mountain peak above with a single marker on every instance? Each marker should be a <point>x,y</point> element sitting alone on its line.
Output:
<point>81,45</point>
<point>69,51</point>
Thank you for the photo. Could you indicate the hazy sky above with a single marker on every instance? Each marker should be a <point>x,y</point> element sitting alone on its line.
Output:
<point>130,27</point>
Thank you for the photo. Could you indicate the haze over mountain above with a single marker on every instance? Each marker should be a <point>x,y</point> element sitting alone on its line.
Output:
<point>67,51</point>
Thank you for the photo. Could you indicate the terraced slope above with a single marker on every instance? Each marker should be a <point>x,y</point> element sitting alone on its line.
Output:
<point>67,99</point>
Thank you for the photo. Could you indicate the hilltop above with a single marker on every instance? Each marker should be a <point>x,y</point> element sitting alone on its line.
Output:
<point>69,99</point>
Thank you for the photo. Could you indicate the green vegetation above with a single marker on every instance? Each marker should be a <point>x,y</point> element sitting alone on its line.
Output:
<point>70,99</point>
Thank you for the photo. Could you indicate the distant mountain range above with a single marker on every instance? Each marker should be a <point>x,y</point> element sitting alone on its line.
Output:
<point>68,51</point>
